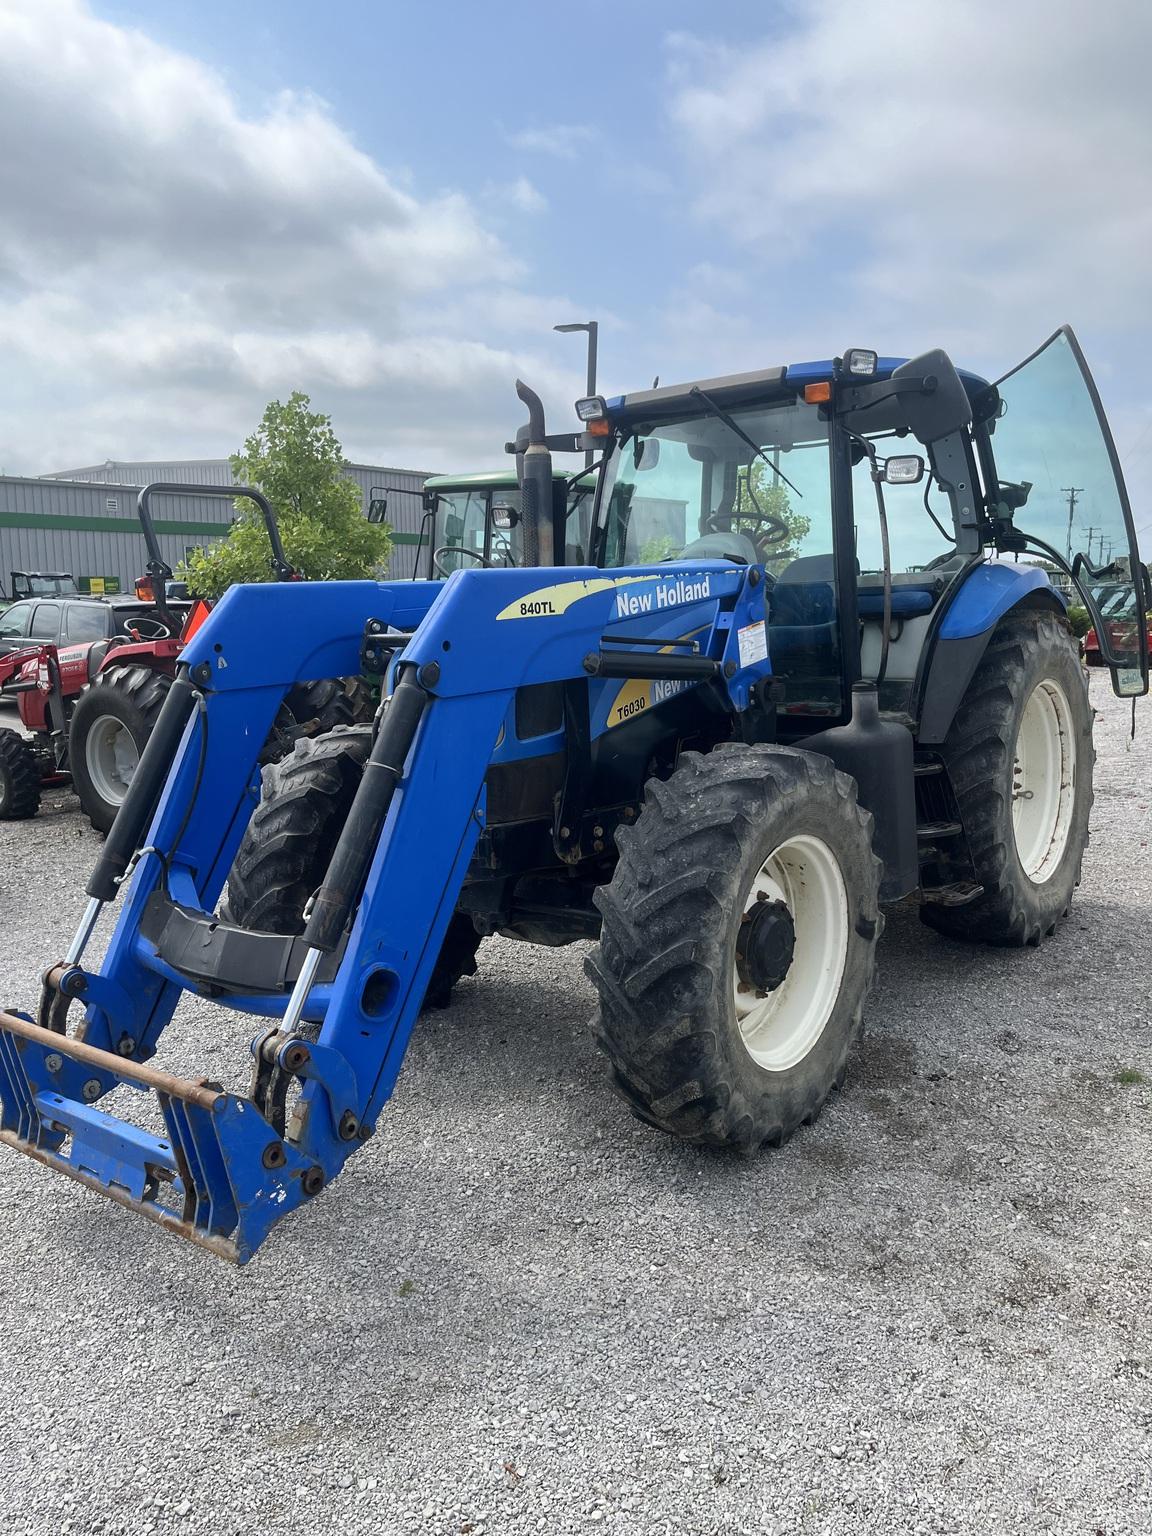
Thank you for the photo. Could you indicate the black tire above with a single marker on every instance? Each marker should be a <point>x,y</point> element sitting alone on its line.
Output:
<point>672,916</point>
<point>19,778</point>
<point>134,696</point>
<point>980,753</point>
<point>332,701</point>
<point>290,839</point>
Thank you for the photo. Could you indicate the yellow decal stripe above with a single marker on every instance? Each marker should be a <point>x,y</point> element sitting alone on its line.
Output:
<point>546,602</point>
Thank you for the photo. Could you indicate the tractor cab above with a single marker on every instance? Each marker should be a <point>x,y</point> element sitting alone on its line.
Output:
<point>896,507</point>
<point>475,520</point>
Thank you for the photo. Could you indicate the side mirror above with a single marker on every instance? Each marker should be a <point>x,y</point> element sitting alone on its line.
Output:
<point>646,453</point>
<point>377,509</point>
<point>504,515</point>
<point>940,406</point>
<point>908,469</point>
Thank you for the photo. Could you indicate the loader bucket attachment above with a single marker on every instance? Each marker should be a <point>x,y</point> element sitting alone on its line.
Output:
<point>218,1175</point>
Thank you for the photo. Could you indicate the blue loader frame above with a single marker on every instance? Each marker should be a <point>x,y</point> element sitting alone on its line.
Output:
<point>221,1171</point>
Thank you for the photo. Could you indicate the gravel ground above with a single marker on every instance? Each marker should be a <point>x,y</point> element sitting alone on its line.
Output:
<point>518,1310</point>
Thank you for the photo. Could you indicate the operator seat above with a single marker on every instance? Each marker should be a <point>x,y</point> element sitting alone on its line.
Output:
<point>723,545</point>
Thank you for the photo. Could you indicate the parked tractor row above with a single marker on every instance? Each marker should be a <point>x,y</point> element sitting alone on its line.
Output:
<point>796,656</point>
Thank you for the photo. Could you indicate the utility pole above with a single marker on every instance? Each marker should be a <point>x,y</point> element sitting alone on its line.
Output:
<point>1072,492</point>
<point>1089,531</point>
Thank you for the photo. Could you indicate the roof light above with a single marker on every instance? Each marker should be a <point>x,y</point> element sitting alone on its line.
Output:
<point>860,363</point>
<point>818,394</point>
<point>592,408</point>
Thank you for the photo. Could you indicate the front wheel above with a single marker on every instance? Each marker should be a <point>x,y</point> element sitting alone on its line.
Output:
<point>738,945</point>
<point>110,725</point>
<point>1020,757</point>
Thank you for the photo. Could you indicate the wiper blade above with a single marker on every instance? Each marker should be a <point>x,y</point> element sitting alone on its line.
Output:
<point>734,426</point>
<point>587,470</point>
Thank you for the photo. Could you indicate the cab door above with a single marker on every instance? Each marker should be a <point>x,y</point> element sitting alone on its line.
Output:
<point>1059,483</point>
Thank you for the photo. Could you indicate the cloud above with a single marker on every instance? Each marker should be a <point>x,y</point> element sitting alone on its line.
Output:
<point>563,140</point>
<point>519,195</point>
<point>980,170</point>
<point>169,260</point>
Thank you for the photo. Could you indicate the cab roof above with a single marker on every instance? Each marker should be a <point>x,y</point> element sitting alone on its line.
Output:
<point>737,388</point>
<point>480,478</point>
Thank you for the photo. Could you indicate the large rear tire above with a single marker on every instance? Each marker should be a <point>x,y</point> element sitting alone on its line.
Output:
<point>738,945</point>
<point>322,706</point>
<point>1020,757</point>
<point>19,778</point>
<point>290,839</point>
<point>110,725</point>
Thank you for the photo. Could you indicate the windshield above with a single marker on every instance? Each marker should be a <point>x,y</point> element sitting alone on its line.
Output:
<point>1056,473</point>
<point>461,518</point>
<point>465,519</point>
<point>694,487</point>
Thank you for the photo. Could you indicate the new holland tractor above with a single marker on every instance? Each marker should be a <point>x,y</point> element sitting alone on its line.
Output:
<point>803,666</point>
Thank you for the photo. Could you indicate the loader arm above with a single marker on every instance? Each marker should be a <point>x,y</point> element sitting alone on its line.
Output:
<point>222,1165</point>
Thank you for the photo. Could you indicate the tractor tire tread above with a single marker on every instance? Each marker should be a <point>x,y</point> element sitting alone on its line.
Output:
<point>19,778</point>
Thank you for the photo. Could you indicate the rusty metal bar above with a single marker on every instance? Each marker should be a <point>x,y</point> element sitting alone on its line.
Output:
<point>119,1066</point>
<point>222,1247</point>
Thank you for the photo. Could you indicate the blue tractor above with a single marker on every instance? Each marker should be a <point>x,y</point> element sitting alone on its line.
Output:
<point>812,657</point>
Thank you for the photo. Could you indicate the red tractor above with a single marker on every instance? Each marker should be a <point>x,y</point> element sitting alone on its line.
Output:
<point>91,678</point>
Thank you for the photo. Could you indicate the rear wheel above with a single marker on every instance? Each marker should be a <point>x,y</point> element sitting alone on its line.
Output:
<point>332,701</point>
<point>290,840</point>
<point>738,945</point>
<point>110,725</point>
<point>19,778</point>
<point>1020,757</point>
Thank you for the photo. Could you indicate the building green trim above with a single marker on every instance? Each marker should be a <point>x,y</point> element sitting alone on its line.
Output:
<point>50,520</point>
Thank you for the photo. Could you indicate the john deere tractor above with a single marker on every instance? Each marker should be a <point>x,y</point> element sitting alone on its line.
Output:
<point>808,661</point>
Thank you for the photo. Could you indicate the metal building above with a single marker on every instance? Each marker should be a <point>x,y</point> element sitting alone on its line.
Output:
<point>83,520</point>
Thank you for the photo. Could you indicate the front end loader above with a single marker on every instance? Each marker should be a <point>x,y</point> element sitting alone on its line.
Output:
<point>749,715</point>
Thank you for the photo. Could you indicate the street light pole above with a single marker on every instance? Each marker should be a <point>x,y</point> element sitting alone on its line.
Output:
<point>593,329</point>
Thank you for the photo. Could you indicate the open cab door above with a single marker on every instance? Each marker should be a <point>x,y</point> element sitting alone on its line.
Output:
<point>1060,492</point>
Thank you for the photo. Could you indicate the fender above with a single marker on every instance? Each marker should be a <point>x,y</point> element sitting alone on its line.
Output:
<point>980,599</point>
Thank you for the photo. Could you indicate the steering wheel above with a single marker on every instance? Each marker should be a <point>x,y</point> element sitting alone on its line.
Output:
<point>157,629</point>
<point>458,549</point>
<point>765,528</point>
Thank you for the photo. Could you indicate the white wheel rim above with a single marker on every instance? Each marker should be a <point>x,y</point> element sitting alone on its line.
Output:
<point>1043,781</point>
<point>779,1028</point>
<point>111,758</point>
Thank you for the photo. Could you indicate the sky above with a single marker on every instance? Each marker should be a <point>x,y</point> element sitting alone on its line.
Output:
<point>207,205</point>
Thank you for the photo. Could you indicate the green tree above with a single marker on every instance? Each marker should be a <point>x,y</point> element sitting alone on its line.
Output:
<point>295,459</point>
<point>771,497</point>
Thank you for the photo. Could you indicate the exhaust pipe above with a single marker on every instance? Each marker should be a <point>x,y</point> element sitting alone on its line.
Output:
<point>536,485</point>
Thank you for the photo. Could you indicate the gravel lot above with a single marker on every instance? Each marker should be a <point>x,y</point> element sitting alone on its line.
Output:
<point>520,1311</point>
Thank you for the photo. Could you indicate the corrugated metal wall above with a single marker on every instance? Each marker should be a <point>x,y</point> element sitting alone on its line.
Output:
<point>401,487</point>
<point>91,530</point>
